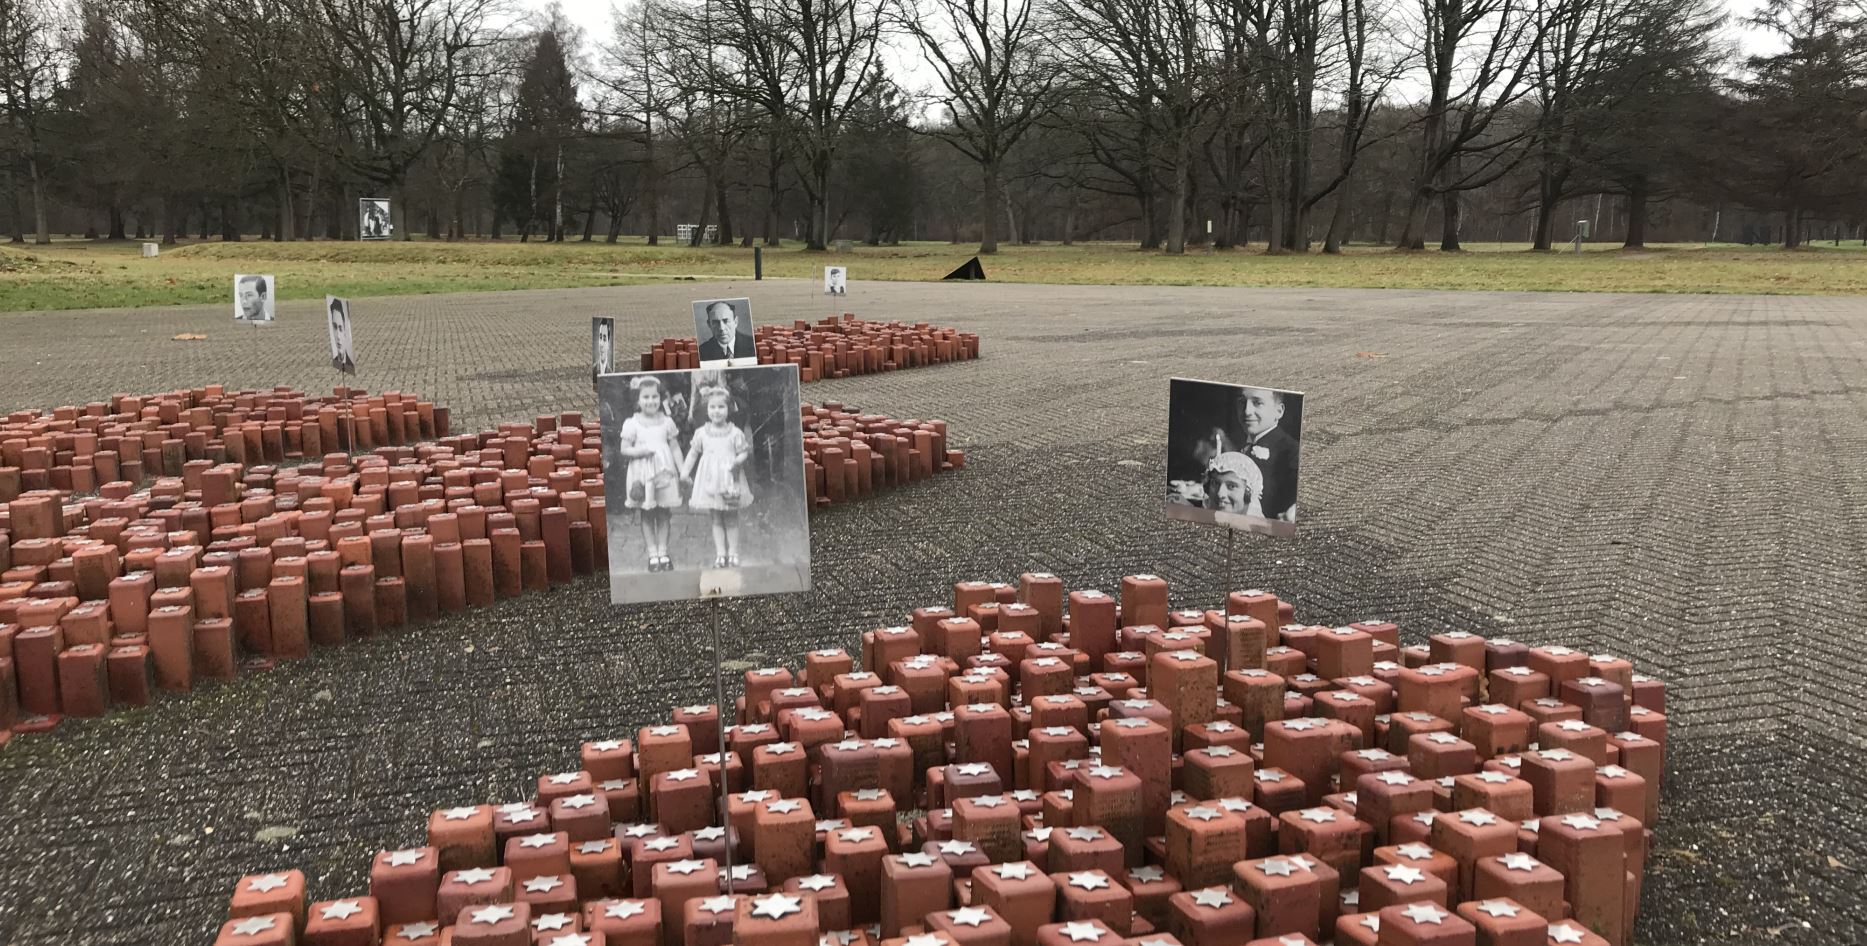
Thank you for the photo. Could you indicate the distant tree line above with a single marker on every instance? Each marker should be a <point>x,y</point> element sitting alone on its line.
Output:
<point>1289,124</point>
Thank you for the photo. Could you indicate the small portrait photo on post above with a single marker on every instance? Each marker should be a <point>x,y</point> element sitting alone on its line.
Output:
<point>602,346</point>
<point>373,218</point>
<point>835,281</point>
<point>724,330</point>
<point>704,474</point>
<point>343,345</point>
<point>252,299</point>
<point>1232,455</point>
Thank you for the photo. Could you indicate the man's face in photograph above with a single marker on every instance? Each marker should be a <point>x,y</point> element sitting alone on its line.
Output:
<point>1261,410</point>
<point>252,302</point>
<point>722,321</point>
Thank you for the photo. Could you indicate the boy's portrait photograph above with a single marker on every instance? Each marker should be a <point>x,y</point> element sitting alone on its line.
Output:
<point>703,471</point>
<point>1232,455</point>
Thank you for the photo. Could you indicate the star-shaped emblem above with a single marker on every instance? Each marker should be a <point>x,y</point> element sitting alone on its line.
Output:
<point>1277,867</point>
<point>1493,777</point>
<point>1147,875</point>
<point>742,872</point>
<point>266,883</point>
<point>592,847</point>
<point>666,730</point>
<point>652,844</point>
<point>1083,833</point>
<point>1498,908</point>
<point>458,814</point>
<point>968,916</point>
<point>1201,813</point>
<point>684,867</point>
<point>1564,933</point>
<point>624,909</point>
<point>1268,775</point>
<point>1040,835</point>
<point>548,922</point>
<point>1394,777</point>
<point>1477,816</point>
<point>1374,755</point>
<point>1517,671</point>
<point>1131,722</point>
<point>1089,880</point>
<point>1317,815</point>
<point>543,884</point>
<point>1234,804</point>
<point>1301,725</point>
<point>254,925</point>
<point>1441,738</point>
<point>816,883</point>
<point>1019,871</point>
<point>1518,861</point>
<point>1082,932</point>
<point>1212,897</point>
<point>989,801</point>
<point>1425,913</point>
<point>402,858</point>
<point>421,930</point>
<point>917,859</point>
<point>754,797</point>
<point>575,802</point>
<point>1414,852</point>
<point>854,835</point>
<point>1557,755</point>
<point>1494,709</point>
<point>1221,752</point>
<point>1581,822</point>
<point>1372,921</point>
<point>472,875</point>
<point>1105,772</point>
<point>522,815</point>
<point>493,914</point>
<point>711,832</point>
<point>957,848</point>
<point>341,910</point>
<point>777,906</point>
<point>972,768</point>
<point>563,778</point>
<point>718,905</point>
<point>783,806</point>
<point>1402,874</point>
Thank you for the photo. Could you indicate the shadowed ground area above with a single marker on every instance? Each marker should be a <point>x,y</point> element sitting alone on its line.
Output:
<point>1675,479</point>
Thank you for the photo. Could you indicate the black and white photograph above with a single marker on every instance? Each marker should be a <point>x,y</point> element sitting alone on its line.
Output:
<point>252,299</point>
<point>1232,453</point>
<point>602,346</point>
<point>373,218</point>
<point>343,345</point>
<point>835,281</point>
<point>704,470</point>
<point>724,329</point>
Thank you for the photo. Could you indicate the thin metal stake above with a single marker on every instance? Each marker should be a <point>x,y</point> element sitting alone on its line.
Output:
<point>719,712</point>
<point>1225,585</point>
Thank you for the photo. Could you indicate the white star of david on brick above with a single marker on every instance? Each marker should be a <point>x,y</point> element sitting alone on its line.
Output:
<point>989,801</point>
<point>1212,897</point>
<point>341,910</point>
<point>268,883</point>
<point>1549,701</point>
<point>1425,913</point>
<point>1131,722</point>
<point>1317,815</point>
<point>1607,814</point>
<point>1083,833</point>
<point>1234,804</point>
<point>624,909</point>
<point>1372,921</point>
<point>1441,738</point>
<point>1518,861</point>
<point>653,844</point>
<point>1302,725</point>
<point>1425,817</point>
<point>1402,874</point>
<point>458,814</point>
<point>1277,867</point>
<point>783,806</point>
<point>543,884</point>
<point>254,925</point>
<point>1415,851</point>
<point>1394,777</point>
<point>579,801</point>
<point>972,768</point>
<point>1497,908</point>
<point>917,859</point>
<point>1581,822</point>
<point>1433,670</point>
<point>1201,813</point>
<point>717,905</point>
<point>1564,933</point>
<point>1572,725</point>
<point>592,847</point>
<point>1221,752</point>
<point>682,775</point>
<point>1105,772</point>
<point>1268,775</point>
<point>493,914</point>
<point>829,824</point>
<point>422,930</point>
<point>968,916</point>
<point>854,835</point>
<point>472,875</point>
<point>522,815</point>
<point>742,872</point>
<point>666,730</point>
<point>1557,755</point>
<point>606,745</point>
<point>639,831</point>
<point>1039,835</point>
<point>777,906</point>
<point>1088,880</point>
<point>1477,816</point>
<point>816,883</point>
<point>563,778</point>
<point>1082,932</point>
<point>685,867</point>
<point>401,858</point>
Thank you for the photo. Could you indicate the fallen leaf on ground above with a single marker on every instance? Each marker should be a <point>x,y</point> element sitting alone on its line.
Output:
<point>1371,354</point>
<point>189,337</point>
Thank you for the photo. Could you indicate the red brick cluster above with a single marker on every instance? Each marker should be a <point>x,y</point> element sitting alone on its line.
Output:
<point>1045,767</point>
<point>109,598</point>
<point>834,348</point>
<point>848,455</point>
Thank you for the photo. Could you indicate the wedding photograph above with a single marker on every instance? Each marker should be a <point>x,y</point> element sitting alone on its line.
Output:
<point>1232,455</point>
<point>704,470</point>
<point>373,218</point>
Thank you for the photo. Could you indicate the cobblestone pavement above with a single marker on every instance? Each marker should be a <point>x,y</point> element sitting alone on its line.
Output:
<point>1675,479</point>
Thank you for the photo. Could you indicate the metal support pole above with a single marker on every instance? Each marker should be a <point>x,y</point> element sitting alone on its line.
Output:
<point>758,262</point>
<point>719,698</point>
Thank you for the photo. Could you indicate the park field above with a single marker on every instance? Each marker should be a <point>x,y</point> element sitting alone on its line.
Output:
<point>84,274</point>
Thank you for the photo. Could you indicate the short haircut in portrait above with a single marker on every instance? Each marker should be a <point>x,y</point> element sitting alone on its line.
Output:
<point>723,327</point>
<point>342,334</point>
<point>602,346</point>
<point>1232,455</point>
<point>703,471</point>
<point>252,298</point>
<point>835,280</point>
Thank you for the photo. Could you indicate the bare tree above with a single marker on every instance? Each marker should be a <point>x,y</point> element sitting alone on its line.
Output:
<point>1476,56</point>
<point>995,84</point>
<point>30,59</point>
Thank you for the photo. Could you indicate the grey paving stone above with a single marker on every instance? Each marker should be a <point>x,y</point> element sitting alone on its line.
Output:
<point>1675,479</point>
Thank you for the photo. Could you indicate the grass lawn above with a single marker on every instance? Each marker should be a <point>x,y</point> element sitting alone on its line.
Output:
<point>83,274</point>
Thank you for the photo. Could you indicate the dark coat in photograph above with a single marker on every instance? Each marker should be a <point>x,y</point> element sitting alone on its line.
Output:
<point>743,347</point>
<point>1280,471</point>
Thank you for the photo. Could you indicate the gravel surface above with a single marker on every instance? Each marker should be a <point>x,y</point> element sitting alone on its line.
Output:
<point>1674,479</point>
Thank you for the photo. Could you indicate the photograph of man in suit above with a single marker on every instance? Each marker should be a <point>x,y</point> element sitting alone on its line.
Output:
<point>343,355</point>
<point>1216,428</point>
<point>252,298</point>
<point>725,339</point>
<point>1273,449</point>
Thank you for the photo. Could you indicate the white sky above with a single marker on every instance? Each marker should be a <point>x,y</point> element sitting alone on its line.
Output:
<point>595,17</point>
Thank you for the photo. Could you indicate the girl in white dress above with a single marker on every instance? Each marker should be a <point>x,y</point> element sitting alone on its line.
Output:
<point>716,465</point>
<point>650,442</point>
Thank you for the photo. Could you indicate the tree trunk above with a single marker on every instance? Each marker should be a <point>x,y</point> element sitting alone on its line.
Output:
<point>706,214</point>
<point>399,204</point>
<point>42,233</point>
<point>1792,228</point>
<point>1176,217</point>
<point>15,220</point>
<point>434,223</point>
<point>989,197</point>
<point>589,222</point>
<point>1339,220</point>
<point>229,230</point>
<point>287,230</point>
<point>1069,220</point>
<point>1449,224</point>
<point>1636,214</point>
<point>557,200</point>
<point>1542,238</point>
<point>615,228</point>
<point>1274,182</point>
<point>724,208</point>
<point>116,221</point>
<point>1150,221</point>
<point>773,168</point>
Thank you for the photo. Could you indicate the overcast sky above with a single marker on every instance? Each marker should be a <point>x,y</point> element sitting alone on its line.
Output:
<point>595,17</point>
